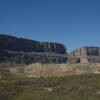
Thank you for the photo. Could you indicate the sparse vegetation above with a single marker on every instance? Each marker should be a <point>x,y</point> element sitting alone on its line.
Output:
<point>45,70</point>
<point>75,87</point>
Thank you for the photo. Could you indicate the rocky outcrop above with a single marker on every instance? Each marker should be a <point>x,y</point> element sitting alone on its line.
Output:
<point>86,51</point>
<point>87,54</point>
<point>24,51</point>
<point>32,57</point>
<point>20,44</point>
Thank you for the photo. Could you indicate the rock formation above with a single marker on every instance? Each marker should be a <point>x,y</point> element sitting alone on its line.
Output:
<point>86,51</point>
<point>20,44</point>
<point>87,54</point>
<point>24,51</point>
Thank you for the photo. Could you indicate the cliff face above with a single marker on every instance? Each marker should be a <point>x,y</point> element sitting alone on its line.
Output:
<point>87,54</point>
<point>79,52</point>
<point>24,51</point>
<point>32,57</point>
<point>19,44</point>
<point>86,51</point>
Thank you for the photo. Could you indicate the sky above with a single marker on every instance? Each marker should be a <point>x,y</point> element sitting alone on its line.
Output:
<point>75,23</point>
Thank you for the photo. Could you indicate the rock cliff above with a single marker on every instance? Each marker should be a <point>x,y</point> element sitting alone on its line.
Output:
<point>86,51</point>
<point>87,54</point>
<point>20,44</point>
<point>25,51</point>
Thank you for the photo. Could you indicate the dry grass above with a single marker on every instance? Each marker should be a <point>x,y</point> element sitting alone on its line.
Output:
<point>60,69</point>
<point>46,70</point>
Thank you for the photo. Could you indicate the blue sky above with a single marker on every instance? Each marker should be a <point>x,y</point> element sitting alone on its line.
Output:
<point>75,23</point>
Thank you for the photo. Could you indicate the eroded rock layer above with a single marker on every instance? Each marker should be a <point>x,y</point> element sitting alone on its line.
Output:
<point>20,44</point>
<point>24,51</point>
<point>86,51</point>
<point>87,54</point>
